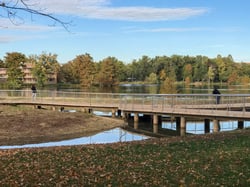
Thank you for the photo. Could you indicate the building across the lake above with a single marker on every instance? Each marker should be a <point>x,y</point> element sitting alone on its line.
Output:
<point>28,77</point>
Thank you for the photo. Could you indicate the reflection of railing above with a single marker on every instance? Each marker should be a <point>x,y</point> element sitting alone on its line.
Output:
<point>159,102</point>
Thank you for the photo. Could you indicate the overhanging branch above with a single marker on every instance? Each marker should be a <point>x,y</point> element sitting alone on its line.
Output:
<point>11,12</point>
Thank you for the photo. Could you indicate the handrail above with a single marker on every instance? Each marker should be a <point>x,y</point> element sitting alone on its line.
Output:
<point>131,101</point>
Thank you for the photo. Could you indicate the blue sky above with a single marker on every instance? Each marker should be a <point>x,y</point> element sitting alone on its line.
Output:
<point>129,29</point>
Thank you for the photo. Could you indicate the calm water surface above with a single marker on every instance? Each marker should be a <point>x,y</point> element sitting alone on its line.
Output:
<point>197,127</point>
<point>110,136</point>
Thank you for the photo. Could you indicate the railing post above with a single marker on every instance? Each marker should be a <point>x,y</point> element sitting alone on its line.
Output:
<point>89,99</point>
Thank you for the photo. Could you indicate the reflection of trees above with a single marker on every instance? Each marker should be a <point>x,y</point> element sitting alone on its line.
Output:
<point>168,86</point>
<point>122,134</point>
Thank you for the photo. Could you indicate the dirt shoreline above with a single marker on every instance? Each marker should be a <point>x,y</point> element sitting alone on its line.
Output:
<point>24,125</point>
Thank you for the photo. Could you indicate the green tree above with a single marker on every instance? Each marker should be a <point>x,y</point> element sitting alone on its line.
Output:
<point>221,68</point>
<point>45,67</point>
<point>2,65</point>
<point>142,68</point>
<point>176,67</point>
<point>107,75</point>
<point>121,69</point>
<point>243,69</point>
<point>152,78</point>
<point>210,74</point>
<point>158,64</point>
<point>65,74</point>
<point>200,68</point>
<point>14,63</point>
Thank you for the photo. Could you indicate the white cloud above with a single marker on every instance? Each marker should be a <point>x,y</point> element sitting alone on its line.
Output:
<point>132,30</point>
<point>179,29</point>
<point>102,9</point>
<point>7,39</point>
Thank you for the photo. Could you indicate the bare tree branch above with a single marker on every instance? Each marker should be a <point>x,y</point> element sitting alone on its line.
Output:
<point>13,9</point>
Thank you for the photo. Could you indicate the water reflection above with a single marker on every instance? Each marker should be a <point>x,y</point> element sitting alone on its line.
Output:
<point>110,136</point>
<point>197,127</point>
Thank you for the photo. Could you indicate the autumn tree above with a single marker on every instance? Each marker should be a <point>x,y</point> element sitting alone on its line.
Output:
<point>162,75</point>
<point>233,78</point>
<point>87,69</point>
<point>45,67</point>
<point>211,74</point>
<point>187,72</point>
<point>15,62</point>
<point>168,86</point>
<point>221,68</point>
<point>65,74</point>
<point>152,78</point>
<point>158,64</point>
<point>245,80</point>
<point>107,74</point>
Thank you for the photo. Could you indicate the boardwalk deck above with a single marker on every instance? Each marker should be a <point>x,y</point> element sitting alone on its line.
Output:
<point>232,107</point>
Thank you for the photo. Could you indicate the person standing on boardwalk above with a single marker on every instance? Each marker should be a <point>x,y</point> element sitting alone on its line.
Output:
<point>217,92</point>
<point>33,89</point>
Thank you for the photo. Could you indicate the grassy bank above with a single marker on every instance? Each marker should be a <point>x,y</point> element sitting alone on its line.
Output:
<point>220,159</point>
<point>24,125</point>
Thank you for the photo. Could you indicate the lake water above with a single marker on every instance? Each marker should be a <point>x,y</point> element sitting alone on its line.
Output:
<point>181,89</point>
<point>153,89</point>
<point>197,127</point>
<point>110,136</point>
<point>193,127</point>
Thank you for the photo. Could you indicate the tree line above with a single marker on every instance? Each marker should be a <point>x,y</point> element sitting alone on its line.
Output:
<point>110,71</point>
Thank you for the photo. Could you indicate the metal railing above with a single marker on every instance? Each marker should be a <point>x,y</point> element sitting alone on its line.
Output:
<point>129,101</point>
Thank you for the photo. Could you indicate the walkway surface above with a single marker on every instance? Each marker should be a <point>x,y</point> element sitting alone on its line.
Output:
<point>232,106</point>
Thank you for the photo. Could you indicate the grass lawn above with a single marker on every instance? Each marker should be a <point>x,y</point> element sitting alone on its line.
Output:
<point>221,159</point>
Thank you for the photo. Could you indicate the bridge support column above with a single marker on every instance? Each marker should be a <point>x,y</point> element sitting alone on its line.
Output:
<point>90,111</point>
<point>207,125</point>
<point>240,124</point>
<point>216,125</point>
<point>83,110</point>
<point>136,120</point>
<point>183,126</point>
<point>119,113</point>
<point>155,123</point>
<point>53,108</point>
<point>178,124</point>
<point>125,116</point>
<point>113,112</point>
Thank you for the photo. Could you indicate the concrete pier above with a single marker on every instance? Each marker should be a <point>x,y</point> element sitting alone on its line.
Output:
<point>216,125</point>
<point>240,124</point>
<point>183,126</point>
<point>178,124</point>
<point>207,125</point>
<point>136,120</point>
<point>155,123</point>
<point>113,112</point>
